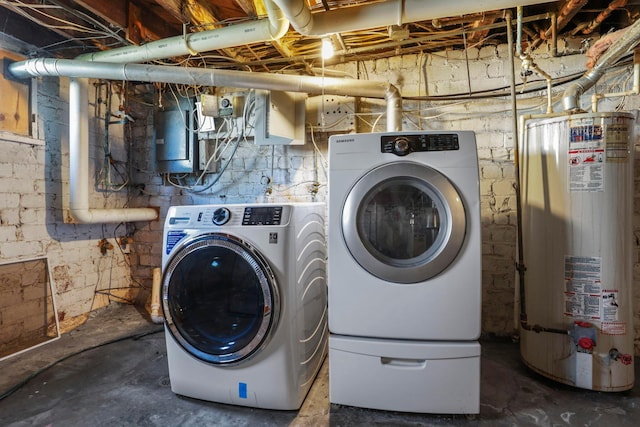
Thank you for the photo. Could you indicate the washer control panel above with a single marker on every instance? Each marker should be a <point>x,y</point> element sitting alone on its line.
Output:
<point>401,145</point>
<point>262,215</point>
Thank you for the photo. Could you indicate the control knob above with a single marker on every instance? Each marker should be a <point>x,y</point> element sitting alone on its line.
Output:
<point>221,216</point>
<point>401,146</point>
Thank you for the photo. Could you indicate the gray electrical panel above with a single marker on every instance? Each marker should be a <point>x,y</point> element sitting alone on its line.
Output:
<point>280,118</point>
<point>175,137</point>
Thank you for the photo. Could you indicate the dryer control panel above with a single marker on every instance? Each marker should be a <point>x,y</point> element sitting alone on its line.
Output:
<point>401,145</point>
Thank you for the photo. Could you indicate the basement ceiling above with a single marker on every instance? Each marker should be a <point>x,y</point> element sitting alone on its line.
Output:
<point>68,28</point>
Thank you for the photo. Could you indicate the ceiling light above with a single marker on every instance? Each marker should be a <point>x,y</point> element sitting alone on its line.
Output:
<point>327,49</point>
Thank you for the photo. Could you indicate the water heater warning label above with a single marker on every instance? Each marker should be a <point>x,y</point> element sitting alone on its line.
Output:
<point>583,287</point>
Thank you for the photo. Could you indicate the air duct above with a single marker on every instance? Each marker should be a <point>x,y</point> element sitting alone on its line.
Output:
<point>78,135</point>
<point>382,14</point>
<point>214,77</point>
<point>258,31</point>
<point>571,99</point>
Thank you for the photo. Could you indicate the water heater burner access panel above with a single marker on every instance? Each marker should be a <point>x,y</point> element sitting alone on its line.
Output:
<point>401,145</point>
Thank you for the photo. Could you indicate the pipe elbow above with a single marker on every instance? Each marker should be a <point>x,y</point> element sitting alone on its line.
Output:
<point>298,15</point>
<point>278,23</point>
<point>100,216</point>
<point>394,108</point>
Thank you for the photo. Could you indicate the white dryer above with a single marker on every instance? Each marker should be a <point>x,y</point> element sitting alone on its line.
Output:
<point>404,271</point>
<point>245,301</point>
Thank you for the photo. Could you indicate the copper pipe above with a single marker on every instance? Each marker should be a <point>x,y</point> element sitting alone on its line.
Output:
<point>440,23</point>
<point>565,15</point>
<point>615,4</point>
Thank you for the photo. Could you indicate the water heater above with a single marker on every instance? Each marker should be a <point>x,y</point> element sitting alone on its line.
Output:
<point>577,205</point>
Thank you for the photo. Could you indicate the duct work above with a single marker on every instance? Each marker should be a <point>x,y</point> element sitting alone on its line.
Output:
<point>382,14</point>
<point>258,31</point>
<point>79,71</point>
<point>108,65</point>
<point>624,45</point>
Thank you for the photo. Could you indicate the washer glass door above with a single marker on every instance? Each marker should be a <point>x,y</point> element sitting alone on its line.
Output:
<point>404,222</point>
<point>220,298</point>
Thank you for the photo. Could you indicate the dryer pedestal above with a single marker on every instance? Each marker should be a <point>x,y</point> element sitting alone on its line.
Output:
<point>404,271</point>
<point>435,377</point>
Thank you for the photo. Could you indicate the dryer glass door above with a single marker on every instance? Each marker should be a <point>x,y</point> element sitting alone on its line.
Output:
<point>404,222</point>
<point>220,299</point>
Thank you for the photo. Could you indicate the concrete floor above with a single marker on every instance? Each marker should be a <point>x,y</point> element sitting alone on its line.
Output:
<point>125,382</point>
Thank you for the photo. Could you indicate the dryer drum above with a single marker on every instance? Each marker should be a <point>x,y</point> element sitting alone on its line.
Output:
<point>404,222</point>
<point>220,298</point>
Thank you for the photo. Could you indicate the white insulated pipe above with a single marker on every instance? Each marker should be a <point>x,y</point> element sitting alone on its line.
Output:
<point>79,166</point>
<point>239,34</point>
<point>214,77</point>
<point>382,14</point>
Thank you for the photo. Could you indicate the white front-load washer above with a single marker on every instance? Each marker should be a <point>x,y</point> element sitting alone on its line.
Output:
<point>245,301</point>
<point>404,271</point>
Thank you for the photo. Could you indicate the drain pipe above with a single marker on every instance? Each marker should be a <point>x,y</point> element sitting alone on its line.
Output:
<point>258,31</point>
<point>382,14</point>
<point>626,42</point>
<point>79,167</point>
<point>519,136</point>
<point>214,77</point>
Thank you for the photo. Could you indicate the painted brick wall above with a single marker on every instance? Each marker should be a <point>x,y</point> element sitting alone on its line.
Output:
<point>278,173</point>
<point>34,185</point>
<point>438,74</point>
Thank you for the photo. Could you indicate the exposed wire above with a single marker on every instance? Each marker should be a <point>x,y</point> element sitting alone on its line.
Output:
<point>33,375</point>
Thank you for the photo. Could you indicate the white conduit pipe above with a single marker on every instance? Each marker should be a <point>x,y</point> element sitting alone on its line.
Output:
<point>79,166</point>
<point>240,34</point>
<point>214,77</point>
<point>382,14</point>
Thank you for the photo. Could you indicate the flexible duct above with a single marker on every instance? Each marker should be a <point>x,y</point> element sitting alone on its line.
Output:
<point>382,14</point>
<point>258,31</point>
<point>571,99</point>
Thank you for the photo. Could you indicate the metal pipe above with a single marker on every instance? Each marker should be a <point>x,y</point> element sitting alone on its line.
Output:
<point>635,89</point>
<point>382,14</point>
<point>615,4</point>
<point>243,33</point>
<point>625,43</point>
<point>465,19</point>
<point>213,77</point>
<point>516,160</point>
<point>554,34</point>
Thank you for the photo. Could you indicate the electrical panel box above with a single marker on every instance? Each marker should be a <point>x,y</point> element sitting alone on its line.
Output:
<point>280,118</point>
<point>331,113</point>
<point>206,149</point>
<point>226,103</point>
<point>175,137</point>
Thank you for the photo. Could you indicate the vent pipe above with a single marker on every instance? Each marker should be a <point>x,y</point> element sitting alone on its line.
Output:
<point>79,135</point>
<point>571,99</point>
<point>383,14</point>
<point>258,31</point>
<point>214,77</point>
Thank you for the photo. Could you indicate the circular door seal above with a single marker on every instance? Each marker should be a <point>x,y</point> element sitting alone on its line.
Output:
<point>416,267</point>
<point>220,299</point>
